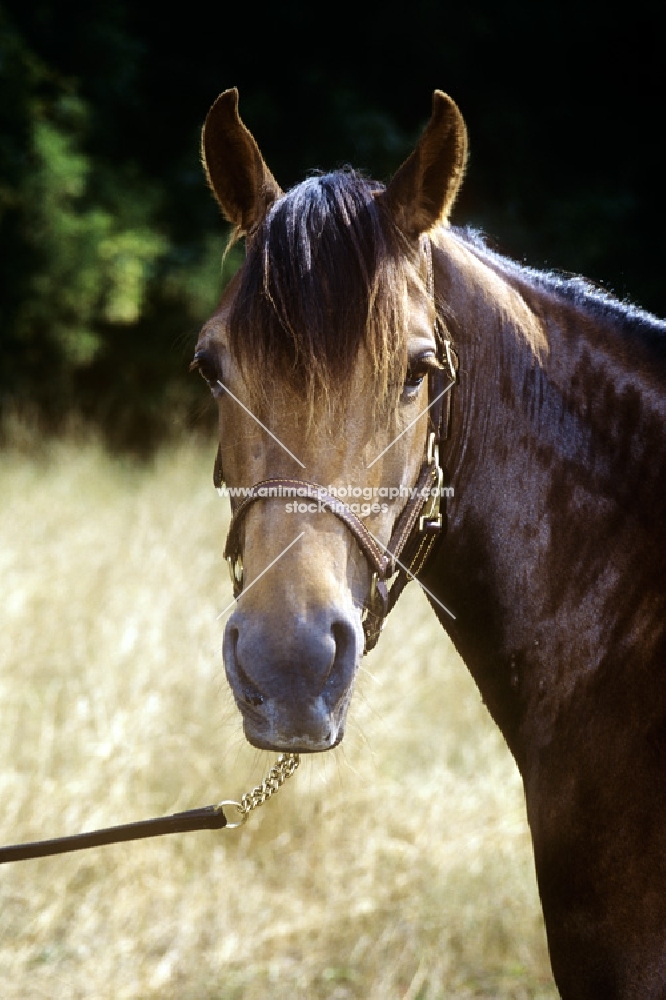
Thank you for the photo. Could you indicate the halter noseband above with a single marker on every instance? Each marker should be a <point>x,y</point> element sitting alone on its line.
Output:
<point>418,525</point>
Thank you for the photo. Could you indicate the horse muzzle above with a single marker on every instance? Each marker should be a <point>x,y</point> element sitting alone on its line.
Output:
<point>292,679</point>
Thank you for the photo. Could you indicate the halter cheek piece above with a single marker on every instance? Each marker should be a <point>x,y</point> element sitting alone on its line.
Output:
<point>418,526</point>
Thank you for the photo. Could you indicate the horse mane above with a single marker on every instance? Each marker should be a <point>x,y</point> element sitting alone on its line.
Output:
<point>326,274</point>
<point>603,397</point>
<point>593,300</point>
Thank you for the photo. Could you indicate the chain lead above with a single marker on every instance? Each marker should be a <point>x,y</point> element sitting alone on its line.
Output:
<point>282,769</point>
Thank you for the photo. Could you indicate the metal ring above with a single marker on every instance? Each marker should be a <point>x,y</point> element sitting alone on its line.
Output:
<point>432,453</point>
<point>235,564</point>
<point>239,807</point>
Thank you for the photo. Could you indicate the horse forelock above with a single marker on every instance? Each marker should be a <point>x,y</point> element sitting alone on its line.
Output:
<point>326,275</point>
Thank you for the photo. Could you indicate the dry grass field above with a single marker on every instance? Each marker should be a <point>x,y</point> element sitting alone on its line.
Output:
<point>397,866</point>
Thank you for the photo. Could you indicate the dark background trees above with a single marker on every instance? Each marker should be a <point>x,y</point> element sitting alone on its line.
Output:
<point>111,244</point>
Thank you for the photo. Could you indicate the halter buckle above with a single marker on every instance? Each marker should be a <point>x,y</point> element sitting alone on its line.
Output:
<point>431,517</point>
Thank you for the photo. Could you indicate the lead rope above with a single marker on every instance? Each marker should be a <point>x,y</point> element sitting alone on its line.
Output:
<point>207,818</point>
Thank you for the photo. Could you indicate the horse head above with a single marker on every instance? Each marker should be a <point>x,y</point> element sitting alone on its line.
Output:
<point>321,357</point>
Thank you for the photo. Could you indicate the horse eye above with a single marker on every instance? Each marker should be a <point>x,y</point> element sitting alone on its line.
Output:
<point>207,368</point>
<point>413,379</point>
<point>418,368</point>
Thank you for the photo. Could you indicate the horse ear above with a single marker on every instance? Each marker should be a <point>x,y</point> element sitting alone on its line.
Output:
<point>240,180</point>
<point>424,188</point>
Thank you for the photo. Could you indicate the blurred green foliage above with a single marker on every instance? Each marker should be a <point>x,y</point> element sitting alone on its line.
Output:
<point>112,247</point>
<point>99,300</point>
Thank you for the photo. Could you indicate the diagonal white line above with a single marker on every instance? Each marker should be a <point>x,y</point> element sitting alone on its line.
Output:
<point>409,573</point>
<point>418,417</point>
<point>226,389</point>
<point>245,589</point>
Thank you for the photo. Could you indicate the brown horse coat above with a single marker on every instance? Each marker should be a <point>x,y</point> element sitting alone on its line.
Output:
<point>553,557</point>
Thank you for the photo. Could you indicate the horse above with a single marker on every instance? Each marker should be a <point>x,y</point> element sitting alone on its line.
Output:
<point>368,349</point>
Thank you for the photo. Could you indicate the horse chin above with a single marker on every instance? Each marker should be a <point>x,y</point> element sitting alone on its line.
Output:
<point>293,744</point>
<point>315,731</point>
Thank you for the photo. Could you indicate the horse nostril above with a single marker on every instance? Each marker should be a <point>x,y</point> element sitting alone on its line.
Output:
<point>251,694</point>
<point>341,669</point>
<point>344,637</point>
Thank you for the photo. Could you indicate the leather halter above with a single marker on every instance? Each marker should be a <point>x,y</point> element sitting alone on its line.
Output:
<point>418,526</point>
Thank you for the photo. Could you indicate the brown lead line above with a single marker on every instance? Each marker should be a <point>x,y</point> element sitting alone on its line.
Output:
<point>205,818</point>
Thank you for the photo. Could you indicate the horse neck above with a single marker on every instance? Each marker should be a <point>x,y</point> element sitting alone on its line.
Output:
<point>551,425</point>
